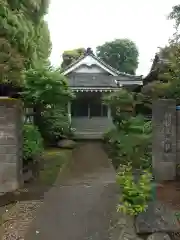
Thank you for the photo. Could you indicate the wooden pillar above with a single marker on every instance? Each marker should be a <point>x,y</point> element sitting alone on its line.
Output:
<point>109,112</point>
<point>69,111</point>
<point>89,111</point>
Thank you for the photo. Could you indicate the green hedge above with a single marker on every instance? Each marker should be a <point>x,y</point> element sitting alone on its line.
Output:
<point>32,142</point>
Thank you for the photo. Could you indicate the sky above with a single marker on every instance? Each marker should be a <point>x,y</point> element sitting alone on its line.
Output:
<point>84,23</point>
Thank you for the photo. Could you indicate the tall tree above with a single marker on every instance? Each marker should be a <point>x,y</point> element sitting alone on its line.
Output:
<point>167,84</point>
<point>121,54</point>
<point>22,32</point>
<point>70,56</point>
<point>175,15</point>
<point>43,43</point>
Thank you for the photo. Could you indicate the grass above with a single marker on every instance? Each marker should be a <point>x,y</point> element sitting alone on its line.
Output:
<point>54,161</point>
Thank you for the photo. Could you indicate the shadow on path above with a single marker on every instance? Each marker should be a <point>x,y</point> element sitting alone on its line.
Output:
<point>81,203</point>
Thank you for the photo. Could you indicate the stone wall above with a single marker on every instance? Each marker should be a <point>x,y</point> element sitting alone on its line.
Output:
<point>164,139</point>
<point>10,145</point>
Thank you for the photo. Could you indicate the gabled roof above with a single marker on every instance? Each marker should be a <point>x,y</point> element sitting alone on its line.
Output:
<point>157,64</point>
<point>99,62</point>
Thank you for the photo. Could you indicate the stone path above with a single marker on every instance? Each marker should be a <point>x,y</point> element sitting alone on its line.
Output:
<point>82,202</point>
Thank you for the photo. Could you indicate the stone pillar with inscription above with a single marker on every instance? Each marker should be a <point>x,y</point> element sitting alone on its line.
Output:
<point>164,139</point>
<point>10,145</point>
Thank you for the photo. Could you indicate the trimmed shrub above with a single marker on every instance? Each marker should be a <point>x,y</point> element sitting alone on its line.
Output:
<point>54,125</point>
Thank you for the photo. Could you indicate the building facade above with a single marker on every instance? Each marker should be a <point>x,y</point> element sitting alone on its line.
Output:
<point>89,77</point>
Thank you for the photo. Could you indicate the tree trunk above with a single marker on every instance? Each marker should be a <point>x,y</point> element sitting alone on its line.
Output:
<point>37,115</point>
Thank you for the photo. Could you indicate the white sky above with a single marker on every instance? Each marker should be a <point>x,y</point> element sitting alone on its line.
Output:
<point>84,23</point>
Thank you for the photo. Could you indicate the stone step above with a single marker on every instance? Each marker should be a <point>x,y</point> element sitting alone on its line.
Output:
<point>91,130</point>
<point>90,127</point>
<point>88,135</point>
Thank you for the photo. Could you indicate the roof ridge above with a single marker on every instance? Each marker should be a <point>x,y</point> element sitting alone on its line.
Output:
<point>110,67</point>
<point>89,52</point>
<point>74,62</point>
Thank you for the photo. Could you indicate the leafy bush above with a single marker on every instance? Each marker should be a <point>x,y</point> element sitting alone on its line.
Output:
<point>112,139</point>
<point>122,105</point>
<point>47,92</point>
<point>32,142</point>
<point>54,124</point>
<point>135,192</point>
<point>132,144</point>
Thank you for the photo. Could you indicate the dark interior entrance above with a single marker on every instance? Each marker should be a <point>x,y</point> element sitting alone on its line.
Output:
<point>88,105</point>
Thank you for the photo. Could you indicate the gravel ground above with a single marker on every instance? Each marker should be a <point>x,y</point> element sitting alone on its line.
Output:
<point>17,220</point>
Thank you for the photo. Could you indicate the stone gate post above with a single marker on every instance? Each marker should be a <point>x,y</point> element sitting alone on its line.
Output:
<point>10,145</point>
<point>164,139</point>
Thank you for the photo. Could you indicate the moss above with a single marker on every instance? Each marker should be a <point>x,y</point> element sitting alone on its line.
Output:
<point>8,99</point>
<point>54,161</point>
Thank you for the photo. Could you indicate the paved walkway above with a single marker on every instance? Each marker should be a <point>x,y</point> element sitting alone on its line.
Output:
<point>81,203</point>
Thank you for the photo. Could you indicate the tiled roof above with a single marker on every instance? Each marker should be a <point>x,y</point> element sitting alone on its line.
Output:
<point>99,80</point>
<point>90,53</point>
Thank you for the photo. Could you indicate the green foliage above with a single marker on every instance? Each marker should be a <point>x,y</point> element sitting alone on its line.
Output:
<point>24,37</point>
<point>43,44</point>
<point>55,124</point>
<point>118,102</point>
<point>168,69</point>
<point>122,104</point>
<point>11,64</point>
<point>54,161</point>
<point>175,14</point>
<point>168,85</point>
<point>122,97</point>
<point>71,56</point>
<point>32,142</point>
<point>17,29</point>
<point>155,90</point>
<point>173,72</point>
<point>45,86</point>
<point>135,193</point>
<point>130,140</point>
<point>33,9</point>
<point>131,144</point>
<point>122,54</point>
<point>47,92</point>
